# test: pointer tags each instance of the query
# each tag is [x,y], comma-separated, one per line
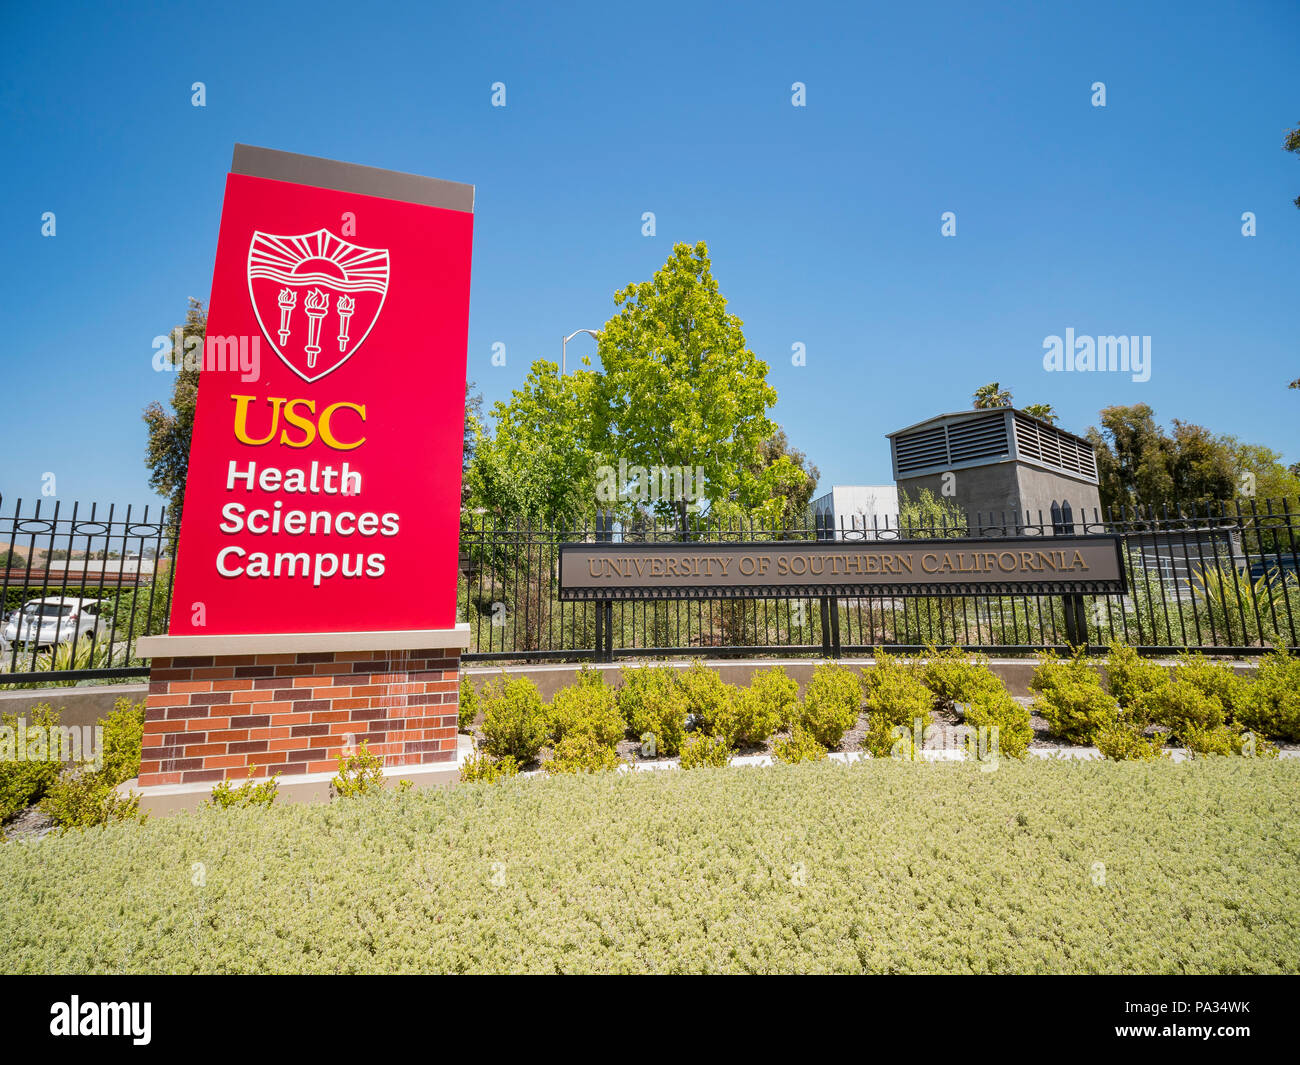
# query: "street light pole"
[564,348]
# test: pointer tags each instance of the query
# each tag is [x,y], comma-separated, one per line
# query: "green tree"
[167,451]
[538,465]
[1132,457]
[928,515]
[1042,411]
[1292,144]
[681,389]
[1270,478]
[991,395]
[790,478]
[1139,463]
[1201,465]
[473,429]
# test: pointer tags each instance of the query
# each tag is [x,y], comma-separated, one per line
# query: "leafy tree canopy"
[991,395]
[1140,463]
[538,465]
[678,389]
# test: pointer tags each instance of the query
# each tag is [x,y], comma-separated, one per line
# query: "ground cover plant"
[882,866]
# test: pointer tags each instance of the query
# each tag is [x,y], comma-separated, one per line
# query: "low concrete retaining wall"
[76,706]
[1015,673]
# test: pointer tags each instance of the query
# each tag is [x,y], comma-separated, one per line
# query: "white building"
[857,512]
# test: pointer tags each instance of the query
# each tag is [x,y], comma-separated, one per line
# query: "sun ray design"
[318,258]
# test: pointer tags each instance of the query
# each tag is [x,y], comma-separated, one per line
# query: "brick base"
[210,718]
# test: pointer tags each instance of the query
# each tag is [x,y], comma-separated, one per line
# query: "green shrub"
[885,739]
[587,707]
[700,751]
[895,692]
[1181,707]
[955,677]
[651,701]
[1124,740]
[86,796]
[995,708]
[69,655]
[483,768]
[1252,745]
[1271,705]
[1215,679]
[831,704]
[226,796]
[123,740]
[143,610]
[799,746]
[1205,740]
[705,694]
[514,719]
[468,709]
[83,798]
[779,691]
[1071,698]
[581,752]
[1131,677]
[1225,739]
[589,675]
[745,719]
[23,782]
[360,773]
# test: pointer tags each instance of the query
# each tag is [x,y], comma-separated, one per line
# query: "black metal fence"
[1206,576]
[78,584]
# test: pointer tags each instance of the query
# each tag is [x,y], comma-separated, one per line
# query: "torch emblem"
[316,297]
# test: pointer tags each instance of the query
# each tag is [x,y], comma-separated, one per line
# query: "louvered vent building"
[1004,462]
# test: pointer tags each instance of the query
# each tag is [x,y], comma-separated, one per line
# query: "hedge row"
[1130,710]
[694,713]
[1140,706]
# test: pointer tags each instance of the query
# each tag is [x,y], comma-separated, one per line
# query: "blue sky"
[823,221]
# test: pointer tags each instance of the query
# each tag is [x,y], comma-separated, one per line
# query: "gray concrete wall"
[982,489]
[1010,488]
[1015,673]
[76,706]
[1039,488]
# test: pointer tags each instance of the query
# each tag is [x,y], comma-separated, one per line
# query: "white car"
[54,620]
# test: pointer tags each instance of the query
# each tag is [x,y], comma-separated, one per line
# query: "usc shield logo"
[316,297]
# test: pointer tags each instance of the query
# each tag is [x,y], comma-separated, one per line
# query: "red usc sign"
[323,492]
